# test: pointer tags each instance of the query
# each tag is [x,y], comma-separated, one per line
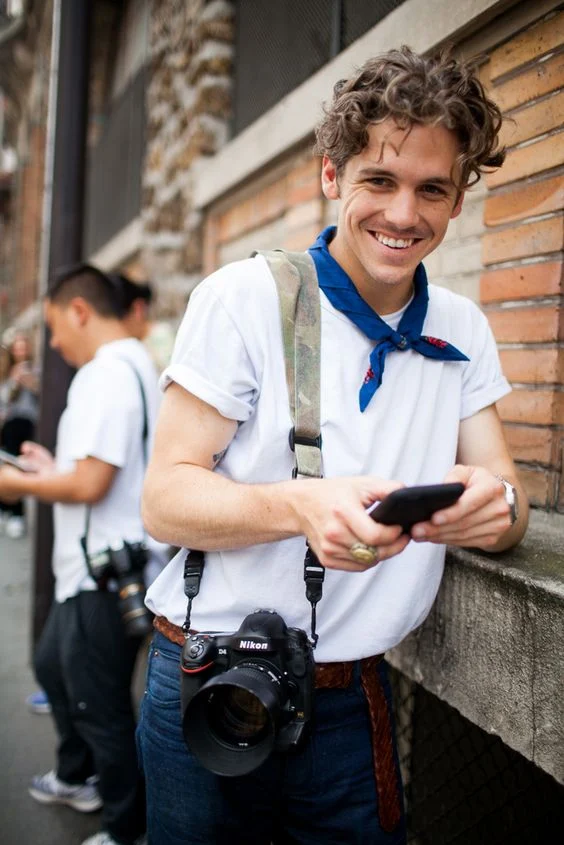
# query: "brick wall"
[283,209]
[521,288]
[505,249]
[27,240]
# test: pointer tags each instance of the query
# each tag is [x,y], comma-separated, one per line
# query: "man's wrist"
[511,498]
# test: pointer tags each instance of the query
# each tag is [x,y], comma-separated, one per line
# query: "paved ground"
[27,741]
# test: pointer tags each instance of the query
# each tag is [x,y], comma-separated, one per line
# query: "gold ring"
[364,553]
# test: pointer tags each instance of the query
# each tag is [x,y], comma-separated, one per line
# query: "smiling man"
[409,380]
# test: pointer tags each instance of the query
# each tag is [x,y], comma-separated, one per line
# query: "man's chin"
[70,360]
[393,275]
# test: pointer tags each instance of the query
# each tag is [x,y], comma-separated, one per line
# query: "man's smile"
[393,242]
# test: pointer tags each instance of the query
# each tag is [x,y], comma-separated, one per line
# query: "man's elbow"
[149,515]
[91,491]
[92,495]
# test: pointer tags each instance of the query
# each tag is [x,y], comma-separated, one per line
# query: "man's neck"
[105,331]
[383,297]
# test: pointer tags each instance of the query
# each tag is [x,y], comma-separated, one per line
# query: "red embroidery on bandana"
[369,375]
[435,341]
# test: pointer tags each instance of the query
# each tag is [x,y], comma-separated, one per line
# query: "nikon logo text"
[253,645]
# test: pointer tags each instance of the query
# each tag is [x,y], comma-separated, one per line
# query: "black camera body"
[125,563]
[246,694]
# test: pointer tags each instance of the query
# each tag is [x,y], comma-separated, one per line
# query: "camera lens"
[137,619]
[231,722]
[237,717]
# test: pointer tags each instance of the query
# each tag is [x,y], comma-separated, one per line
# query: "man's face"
[67,337]
[397,197]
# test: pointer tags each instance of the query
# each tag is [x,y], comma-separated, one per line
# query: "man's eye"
[379,181]
[434,190]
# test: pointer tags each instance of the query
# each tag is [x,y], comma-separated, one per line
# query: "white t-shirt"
[103,419]
[228,352]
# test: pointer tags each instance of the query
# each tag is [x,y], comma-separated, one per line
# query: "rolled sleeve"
[210,358]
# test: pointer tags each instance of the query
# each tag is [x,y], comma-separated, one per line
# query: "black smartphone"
[409,505]
[18,463]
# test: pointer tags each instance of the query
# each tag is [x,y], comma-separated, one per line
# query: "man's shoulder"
[111,370]
[249,275]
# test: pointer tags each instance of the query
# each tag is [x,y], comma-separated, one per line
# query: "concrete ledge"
[492,647]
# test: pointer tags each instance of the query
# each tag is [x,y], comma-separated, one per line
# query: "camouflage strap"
[298,294]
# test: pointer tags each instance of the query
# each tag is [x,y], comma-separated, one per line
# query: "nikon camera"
[125,563]
[246,694]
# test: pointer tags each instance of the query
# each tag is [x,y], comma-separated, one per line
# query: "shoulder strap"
[298,295]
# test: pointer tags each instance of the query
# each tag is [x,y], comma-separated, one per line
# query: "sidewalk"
[27,741]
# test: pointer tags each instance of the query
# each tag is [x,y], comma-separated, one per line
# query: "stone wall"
[188,106]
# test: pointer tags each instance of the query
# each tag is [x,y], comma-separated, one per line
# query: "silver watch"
[510,498]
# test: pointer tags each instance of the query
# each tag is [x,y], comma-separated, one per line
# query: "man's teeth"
[399,243]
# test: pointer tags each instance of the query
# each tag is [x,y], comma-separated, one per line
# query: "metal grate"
[359,17]
[280,45]
[115,166]
[464,786]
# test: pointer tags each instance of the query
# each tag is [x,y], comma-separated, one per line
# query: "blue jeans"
[323,794]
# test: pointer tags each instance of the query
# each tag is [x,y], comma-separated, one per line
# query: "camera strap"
[298,295]
[144,435]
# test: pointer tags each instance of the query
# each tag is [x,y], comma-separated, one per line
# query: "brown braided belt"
[340,676]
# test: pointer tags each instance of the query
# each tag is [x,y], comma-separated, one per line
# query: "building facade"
[199,150]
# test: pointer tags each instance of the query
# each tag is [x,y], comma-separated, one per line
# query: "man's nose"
[401,211]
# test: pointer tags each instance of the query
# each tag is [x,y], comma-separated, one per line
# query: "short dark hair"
[103,291]
[132,291]
[412,89]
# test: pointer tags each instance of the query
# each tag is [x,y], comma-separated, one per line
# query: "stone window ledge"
[492,646]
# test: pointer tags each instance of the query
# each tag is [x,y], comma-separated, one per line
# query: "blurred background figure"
[157,335]
[19,403]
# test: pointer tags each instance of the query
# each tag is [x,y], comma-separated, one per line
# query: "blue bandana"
[342,294]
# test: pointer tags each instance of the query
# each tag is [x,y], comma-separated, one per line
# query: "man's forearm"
[58,487]
[194,507]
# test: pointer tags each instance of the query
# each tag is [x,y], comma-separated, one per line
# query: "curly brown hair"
[412,89]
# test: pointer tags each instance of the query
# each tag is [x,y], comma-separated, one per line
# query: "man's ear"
[458,204]
[80,311]
[329,182]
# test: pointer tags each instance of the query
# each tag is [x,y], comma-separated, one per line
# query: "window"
[279,45]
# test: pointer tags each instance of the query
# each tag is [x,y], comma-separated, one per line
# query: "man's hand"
[10,484]
[38,458]
[332,516]
[478,519]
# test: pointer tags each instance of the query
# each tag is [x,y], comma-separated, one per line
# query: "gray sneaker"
[48,789]
[101,838]
[105,838]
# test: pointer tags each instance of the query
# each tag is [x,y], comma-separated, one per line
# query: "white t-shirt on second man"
[103,419]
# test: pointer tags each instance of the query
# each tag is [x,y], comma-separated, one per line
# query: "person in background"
[87,651]
[18,417]
[157,335]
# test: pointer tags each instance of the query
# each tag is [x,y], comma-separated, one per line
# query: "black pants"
[84,662]
[14,432]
